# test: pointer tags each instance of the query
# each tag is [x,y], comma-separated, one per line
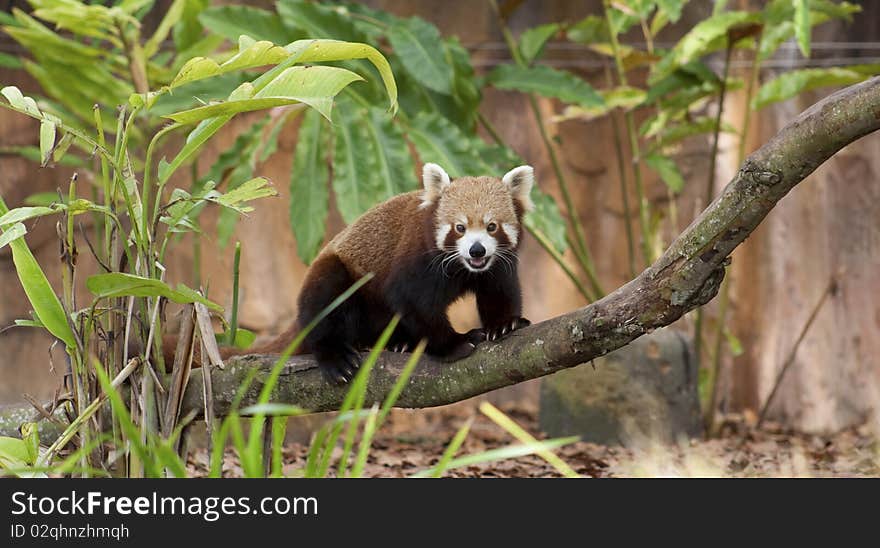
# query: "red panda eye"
[459,229]
[491,227]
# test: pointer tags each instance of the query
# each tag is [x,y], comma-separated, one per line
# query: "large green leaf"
[47,307]
[532,41]
[789,84]
[420,48]
[309,197]
[315,86]
[233,21]
[545,81]
[370,160]
[120,284]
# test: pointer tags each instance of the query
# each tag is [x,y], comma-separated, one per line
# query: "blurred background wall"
[829,224]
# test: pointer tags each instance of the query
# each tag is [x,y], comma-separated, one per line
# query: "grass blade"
[517,432]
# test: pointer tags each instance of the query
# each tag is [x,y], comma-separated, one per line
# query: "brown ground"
[411,441]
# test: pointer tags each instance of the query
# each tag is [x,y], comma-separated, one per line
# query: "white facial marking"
[440,235]
[470,237]
[512,233]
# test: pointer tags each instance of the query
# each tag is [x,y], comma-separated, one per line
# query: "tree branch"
[685,277]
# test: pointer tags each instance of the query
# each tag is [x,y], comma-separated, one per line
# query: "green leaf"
[672,8]
[370,161]
[309,199]
[243,338]
[707,36]
[772,37]
[315,86]
[172,15]
[47,141]
[10,61]
[17,100]
[532,41]
[253,189]
[24,213]
[440,141]
[119,284]
[802,28]
[545,81]
[47,307]
[668,171]
[419,47]
[13,453]
[547,218]
[196,138]
[12,233]
[233,21]
[789,84]
[591,29]
[319,21]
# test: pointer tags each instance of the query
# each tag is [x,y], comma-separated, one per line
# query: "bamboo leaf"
[120,284]
[24,213]
[47,141]
[545,81]
[309,200]
[12,233]
[47,307]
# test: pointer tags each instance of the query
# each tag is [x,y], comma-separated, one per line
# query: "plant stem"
[542,239]
[644,210]
[490,129]
[726,283]
[624,193]
[233,322]
[829,289]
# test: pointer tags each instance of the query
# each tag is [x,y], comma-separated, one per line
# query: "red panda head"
[478,219]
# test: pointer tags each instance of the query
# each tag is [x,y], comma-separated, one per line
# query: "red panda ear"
[436,180]
[520,181]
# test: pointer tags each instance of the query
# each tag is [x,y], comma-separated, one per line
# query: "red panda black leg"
[499,302]
[335,339]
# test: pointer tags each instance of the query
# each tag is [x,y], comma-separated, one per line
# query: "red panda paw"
[506,327]
[465,345]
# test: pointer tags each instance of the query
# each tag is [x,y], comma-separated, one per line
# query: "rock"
[646,389]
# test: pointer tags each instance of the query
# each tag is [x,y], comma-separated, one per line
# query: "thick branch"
[685,277]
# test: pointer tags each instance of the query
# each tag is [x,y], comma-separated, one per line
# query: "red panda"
[425,249]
